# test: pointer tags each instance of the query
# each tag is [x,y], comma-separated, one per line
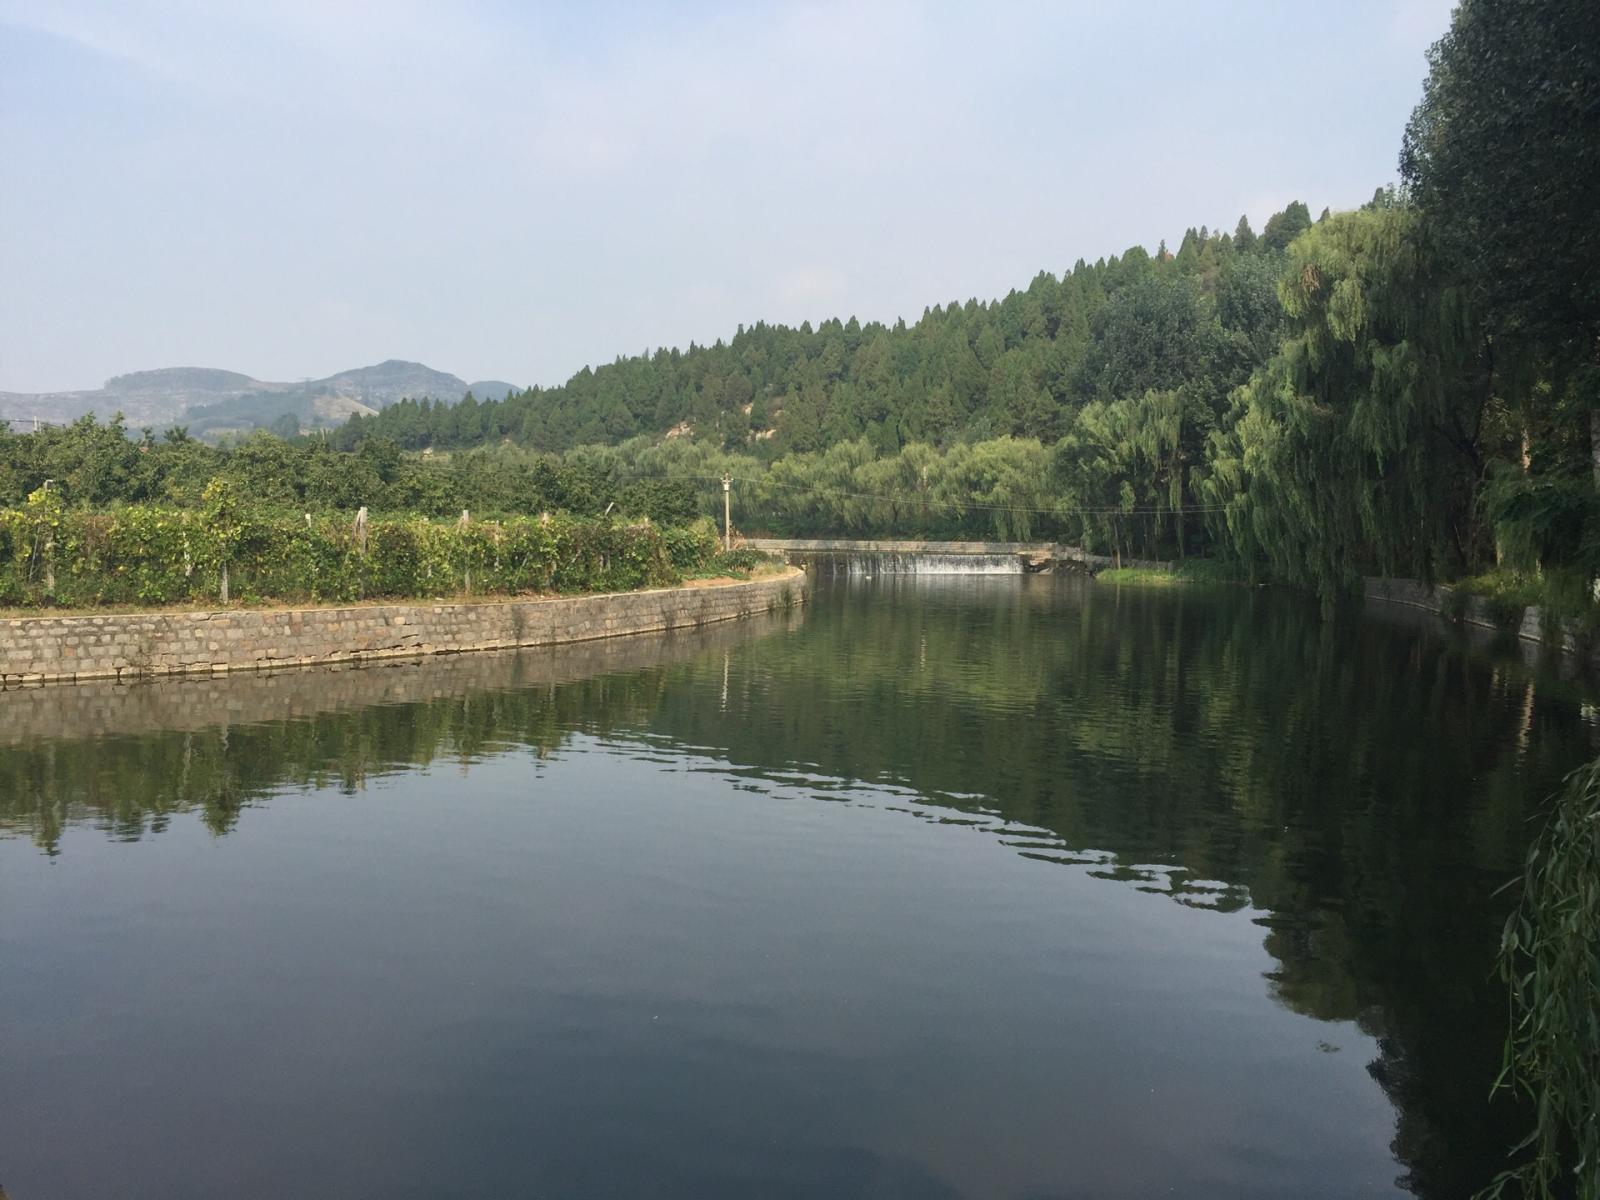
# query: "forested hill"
[1200,319]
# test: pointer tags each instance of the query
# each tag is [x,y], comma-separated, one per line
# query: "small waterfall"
[911,563]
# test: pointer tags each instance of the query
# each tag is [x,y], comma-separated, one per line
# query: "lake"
[1019,887]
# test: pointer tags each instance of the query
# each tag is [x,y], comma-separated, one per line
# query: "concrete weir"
[835,556]
[843,556]
[38,650]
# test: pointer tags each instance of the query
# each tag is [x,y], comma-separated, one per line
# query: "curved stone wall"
[38,650]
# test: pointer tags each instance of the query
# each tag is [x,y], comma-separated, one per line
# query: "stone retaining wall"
[37,650]
[1475,610]
[111,707]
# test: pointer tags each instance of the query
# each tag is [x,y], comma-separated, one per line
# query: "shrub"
[691,546]
[741,561]
[144,555]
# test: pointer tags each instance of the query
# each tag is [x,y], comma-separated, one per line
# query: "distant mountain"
[492,389]
[213,402]
[198,379]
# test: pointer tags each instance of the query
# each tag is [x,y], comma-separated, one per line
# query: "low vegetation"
[1188,571]
[740,563]
[1156,577]
[227,549]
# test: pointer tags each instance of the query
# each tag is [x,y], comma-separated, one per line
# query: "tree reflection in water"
[1361,787]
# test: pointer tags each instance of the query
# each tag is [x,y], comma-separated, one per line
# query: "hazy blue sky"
[289,189]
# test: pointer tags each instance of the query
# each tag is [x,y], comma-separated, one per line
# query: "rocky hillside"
[214,402]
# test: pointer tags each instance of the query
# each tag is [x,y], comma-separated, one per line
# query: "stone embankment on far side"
[1531,625]
[37,650]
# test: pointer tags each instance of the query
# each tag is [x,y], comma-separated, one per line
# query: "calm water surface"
[998,887]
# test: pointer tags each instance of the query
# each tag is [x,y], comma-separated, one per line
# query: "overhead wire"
[933,501]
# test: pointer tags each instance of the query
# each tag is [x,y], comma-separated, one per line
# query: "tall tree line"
[1201,318]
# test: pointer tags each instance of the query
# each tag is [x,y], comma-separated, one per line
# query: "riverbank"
[111,708]
[1528,623]
[55,649]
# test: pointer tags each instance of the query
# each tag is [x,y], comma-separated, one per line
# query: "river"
[1019,887]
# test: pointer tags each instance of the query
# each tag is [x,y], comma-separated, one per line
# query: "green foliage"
[1550,961]
[670,501]
[96,466]
[740,561]
[139,555]
[1189,571]
[1345,454]
[1079,408]
[963,372]
[1503,161]
[1282,228]
[1565,599]
[1540,517]
[1000,488]
[1211,570]
[1502,597]
[1501,152]
[690,547]
[1507,588]
[1139,577]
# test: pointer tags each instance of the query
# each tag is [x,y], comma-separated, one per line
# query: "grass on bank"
[740,564]
[1189,571]
[1564,598]
[1153,577]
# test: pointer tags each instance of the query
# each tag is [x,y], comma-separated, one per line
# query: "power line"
[933,501]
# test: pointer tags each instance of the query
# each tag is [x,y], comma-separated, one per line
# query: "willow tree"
[1550,961]
[1093,472]
[1354,451]
[1122,468]
[1502,157]
[1002,482]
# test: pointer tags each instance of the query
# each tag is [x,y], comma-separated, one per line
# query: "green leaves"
[1550,961]
[1502,155]
[142,555]
[1344,454]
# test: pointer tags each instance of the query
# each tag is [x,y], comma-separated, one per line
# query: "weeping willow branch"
[1550,960]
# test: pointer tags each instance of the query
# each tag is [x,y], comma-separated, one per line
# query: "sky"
[511,191]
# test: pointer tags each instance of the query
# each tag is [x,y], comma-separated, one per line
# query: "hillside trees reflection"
[1361,788]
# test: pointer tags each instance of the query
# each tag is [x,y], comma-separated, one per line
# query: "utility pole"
[49,560]
[727,512]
